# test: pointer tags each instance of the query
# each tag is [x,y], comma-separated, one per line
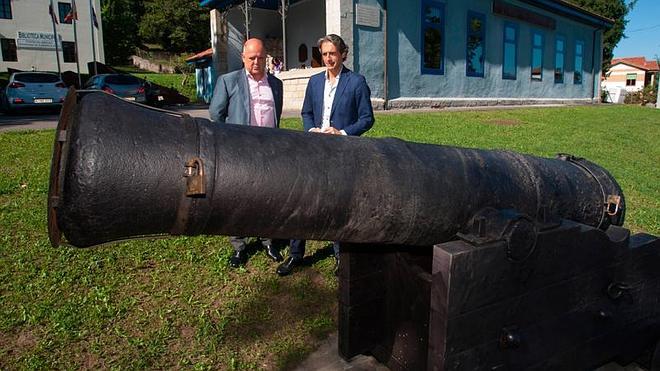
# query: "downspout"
[385,89]
[593,67]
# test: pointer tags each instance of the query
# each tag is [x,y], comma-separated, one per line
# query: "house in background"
[427,53]
[27,39]
[630,74]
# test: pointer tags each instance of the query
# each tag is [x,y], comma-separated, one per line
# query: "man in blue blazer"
[249,96]
[337,101]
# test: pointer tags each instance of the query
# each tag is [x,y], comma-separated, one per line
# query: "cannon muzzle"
[122,170]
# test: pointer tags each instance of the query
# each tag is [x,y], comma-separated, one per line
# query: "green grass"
[175,303]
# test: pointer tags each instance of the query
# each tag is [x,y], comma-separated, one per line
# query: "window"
[69,51]
[5,9]
[631,79]
[302,53]
[8,50]
[579,49]
[476,37]
[63,10]
[537,56]
[433,37]
[560,45]
[510,59]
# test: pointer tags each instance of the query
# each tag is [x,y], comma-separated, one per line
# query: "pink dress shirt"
[262,102]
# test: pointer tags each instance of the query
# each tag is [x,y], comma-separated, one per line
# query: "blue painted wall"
[404,55]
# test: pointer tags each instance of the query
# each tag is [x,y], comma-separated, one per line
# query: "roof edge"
[573,11]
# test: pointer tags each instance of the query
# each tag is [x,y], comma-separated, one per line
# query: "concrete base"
[404,103]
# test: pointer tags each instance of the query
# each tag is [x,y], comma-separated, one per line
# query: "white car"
[33,89]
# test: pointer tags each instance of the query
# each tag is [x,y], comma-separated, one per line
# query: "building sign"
[366,15]
[37,40]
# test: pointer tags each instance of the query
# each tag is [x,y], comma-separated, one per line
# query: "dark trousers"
[239,243]
[297,249]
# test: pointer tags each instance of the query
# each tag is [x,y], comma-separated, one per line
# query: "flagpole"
[91,25]
[57,49]
[75,40]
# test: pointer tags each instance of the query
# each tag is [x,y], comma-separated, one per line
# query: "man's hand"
[331,130]
[314,130]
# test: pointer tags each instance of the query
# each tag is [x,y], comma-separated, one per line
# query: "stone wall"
[295,83]
[149,66]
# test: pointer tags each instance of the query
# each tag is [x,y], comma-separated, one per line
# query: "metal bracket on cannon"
[195,177]
[518,231]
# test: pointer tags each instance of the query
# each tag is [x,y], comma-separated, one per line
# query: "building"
[428,53]
[27,38]
[630,74]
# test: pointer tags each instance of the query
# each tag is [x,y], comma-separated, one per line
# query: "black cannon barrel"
[122,170]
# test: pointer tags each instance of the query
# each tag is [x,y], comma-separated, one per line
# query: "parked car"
[128,87]
[33,89]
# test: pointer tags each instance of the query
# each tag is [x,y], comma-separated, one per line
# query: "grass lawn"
[175,303]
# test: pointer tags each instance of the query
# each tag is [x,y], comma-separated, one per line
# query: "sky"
[642,31]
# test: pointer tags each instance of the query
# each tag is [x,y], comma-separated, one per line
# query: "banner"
[37,40]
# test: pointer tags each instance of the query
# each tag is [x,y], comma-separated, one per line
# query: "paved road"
[37,120]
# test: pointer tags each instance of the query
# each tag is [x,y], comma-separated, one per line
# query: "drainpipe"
[385,88]
[596,79]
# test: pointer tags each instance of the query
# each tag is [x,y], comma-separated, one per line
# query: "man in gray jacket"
[249,96]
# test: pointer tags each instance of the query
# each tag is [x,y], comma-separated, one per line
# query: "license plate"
[160,97]
[130,98]
[43,100]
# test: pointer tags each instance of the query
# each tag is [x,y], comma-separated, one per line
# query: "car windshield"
[122,80]
[36,77]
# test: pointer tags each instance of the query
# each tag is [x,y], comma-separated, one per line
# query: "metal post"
[283,14]
[75,41]
[247,19]
[57,49]
[91,25]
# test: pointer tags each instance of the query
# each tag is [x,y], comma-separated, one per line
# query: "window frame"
[575,59]
[634,80]
[64,55]
[542,49]
[62,11]
[471,15]
[6,12]
[516,35]
[563,58]
[14,51]
[441,28]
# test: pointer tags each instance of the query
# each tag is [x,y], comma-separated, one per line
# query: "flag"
[96,23]
[73,14]
[52,13]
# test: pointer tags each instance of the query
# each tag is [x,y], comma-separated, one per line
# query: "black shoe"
[288,265]
[273,253]
[238,259]
[336,269]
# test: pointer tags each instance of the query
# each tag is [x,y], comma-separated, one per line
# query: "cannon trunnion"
[452,258]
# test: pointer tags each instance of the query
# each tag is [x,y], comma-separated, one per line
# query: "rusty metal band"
[186,203]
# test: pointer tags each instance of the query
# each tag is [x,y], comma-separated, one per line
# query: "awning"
[223,5]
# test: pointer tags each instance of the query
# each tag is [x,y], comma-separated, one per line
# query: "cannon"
[474,259]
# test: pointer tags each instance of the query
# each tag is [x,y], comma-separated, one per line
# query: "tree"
[120,29]
[176,25]
[615,10]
